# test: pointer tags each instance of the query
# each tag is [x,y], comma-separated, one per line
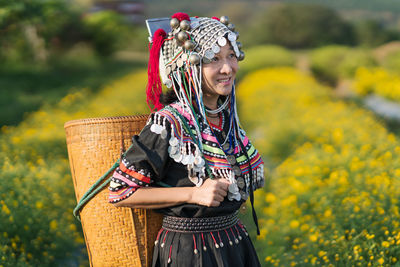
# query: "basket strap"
[95,189]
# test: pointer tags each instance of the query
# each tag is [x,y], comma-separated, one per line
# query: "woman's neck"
[210,101]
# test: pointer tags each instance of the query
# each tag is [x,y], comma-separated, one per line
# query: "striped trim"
[134,174]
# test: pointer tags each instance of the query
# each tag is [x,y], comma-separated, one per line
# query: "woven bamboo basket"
[114,236]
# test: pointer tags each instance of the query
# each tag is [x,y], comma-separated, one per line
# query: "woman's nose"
[226,67]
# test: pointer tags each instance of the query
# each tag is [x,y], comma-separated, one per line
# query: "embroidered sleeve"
[143,164]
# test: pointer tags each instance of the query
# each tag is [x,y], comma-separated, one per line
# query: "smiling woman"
[195,145]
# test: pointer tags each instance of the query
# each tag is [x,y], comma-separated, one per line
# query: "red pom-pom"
[181,16]
[154,88]
[215,18]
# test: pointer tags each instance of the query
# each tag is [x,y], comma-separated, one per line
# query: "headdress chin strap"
[154,88]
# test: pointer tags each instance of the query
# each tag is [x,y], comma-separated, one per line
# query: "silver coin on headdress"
[179,62]
[231,36]
[215,48]
[221,41]
[209,54]
[184,56]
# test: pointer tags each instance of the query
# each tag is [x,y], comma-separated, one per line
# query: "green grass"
[25,88]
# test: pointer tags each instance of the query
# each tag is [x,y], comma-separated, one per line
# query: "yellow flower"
[53,225]
[294,224]
[385,244]
[381,261]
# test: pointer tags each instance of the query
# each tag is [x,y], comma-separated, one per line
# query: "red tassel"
[154,87]
[181,16]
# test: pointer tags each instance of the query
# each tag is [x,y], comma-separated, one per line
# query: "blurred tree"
[27,24]
[301,26]
[371,33]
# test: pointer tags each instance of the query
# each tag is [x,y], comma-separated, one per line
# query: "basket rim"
[99,120]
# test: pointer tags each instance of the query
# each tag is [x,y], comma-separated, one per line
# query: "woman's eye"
[214,59]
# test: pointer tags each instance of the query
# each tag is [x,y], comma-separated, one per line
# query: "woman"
[194,148]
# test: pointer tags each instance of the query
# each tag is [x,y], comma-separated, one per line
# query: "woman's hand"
[211,193]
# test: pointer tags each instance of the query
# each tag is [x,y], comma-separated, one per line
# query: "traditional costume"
[180,147]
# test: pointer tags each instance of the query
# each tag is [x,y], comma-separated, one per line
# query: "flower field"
[378,81]
[331,195]
[332,199]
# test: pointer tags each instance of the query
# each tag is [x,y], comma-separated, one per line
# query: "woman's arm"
[211,193]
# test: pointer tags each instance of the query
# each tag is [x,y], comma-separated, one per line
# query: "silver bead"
[174,23]
[236,241]
[204,248]
[184,25]
[239,45]
[216,245]
[230,242]
[224,20]
[189,45]
[182,36]
[221,244]
[169,260]
[241,56]
[231,26]
[156,242]
[194,59]
[162,245]
[195,251]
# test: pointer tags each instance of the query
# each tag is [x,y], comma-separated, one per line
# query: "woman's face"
[219,75]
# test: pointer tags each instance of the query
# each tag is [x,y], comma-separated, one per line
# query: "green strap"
[95,189]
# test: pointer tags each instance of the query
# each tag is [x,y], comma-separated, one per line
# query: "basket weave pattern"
[114,236]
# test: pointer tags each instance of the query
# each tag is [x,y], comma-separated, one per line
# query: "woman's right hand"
[211,193]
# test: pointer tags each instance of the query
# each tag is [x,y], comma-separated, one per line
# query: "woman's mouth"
[224,81]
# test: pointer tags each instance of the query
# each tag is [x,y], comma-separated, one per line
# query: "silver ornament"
[231,36]
[206,60]
[189,45]
[179,62]
[185,56]
[174,23]
[237,35]
[231,159]
[194,59]
[241,56]
[239,45]
[240,182]
[168,83]
[231,26]
[168,70]
[224,20]
[182,36]
[215,48]
[184,25]
[221,41]
[209,54]
[237,170]
[173,141]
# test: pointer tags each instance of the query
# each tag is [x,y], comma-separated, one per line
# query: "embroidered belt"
[197,225]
